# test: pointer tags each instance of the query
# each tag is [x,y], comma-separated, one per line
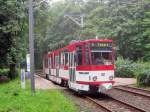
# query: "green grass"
[14,99]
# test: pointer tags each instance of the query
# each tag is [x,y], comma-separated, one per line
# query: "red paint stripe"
[65,67]
[95,83]
[94,68]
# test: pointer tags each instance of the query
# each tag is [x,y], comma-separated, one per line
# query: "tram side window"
[53,58]
[87,58]
[79,55]
[52,64]
[56,60]
[87,61]
[59,62]
[66,59]
[50,60]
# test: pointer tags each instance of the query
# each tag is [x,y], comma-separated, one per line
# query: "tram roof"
[70,47]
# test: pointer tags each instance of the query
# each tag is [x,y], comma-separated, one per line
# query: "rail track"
[110,104]
[114,105]
[134,90]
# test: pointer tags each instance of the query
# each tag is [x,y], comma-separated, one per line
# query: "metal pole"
[31,46]
[82,22]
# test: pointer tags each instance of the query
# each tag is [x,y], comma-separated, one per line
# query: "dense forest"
[126,22]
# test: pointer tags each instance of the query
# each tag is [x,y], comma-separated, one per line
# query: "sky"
[52,1]
[57,0]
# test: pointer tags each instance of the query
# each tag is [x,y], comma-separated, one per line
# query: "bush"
[143,78]
[141,66]
[124,68]
[128,69]
[4,72]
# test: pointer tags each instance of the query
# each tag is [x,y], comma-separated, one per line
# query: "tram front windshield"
[101,53]
[101,58]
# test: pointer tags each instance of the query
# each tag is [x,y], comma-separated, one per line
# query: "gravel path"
[124,81]
[41,83]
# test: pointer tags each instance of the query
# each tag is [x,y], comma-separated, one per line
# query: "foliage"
[142,72]
[126,22]
[129,69]
[13,98]
[143,78]
[11,30]
[140,66]
[122,22]
[13,33]
[4,72]
[124,68]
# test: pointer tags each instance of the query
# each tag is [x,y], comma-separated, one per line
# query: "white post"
[23,81]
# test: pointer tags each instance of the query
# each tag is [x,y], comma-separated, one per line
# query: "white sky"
[57,0]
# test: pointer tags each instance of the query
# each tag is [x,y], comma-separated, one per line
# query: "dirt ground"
[41,83]
[124,81]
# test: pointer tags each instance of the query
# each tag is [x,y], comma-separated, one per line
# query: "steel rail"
[138,89]
[124,103]
[129,105]
[133,92]
[103,107]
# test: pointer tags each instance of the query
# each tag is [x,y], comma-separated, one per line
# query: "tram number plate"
[102,74]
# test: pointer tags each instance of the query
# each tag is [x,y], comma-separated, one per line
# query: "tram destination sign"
[101,45]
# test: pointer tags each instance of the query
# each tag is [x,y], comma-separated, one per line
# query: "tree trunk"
[12,72]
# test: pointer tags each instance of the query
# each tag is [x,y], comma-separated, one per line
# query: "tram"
[83,66]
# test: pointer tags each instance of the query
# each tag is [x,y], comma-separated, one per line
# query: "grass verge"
[14,99]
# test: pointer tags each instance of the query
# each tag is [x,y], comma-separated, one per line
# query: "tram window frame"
[62,58]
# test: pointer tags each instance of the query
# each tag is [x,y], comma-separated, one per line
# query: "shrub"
[124,68]
[141,66]
[4,72]
[143,78]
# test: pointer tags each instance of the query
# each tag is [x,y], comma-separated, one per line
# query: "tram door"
[72,67]
[57,66]
[49,66]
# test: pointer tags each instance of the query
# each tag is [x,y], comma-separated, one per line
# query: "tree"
[12,38]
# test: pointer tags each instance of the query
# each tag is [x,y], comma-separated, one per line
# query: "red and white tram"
[84,66]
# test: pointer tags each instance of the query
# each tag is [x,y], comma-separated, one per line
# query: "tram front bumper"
[105,87]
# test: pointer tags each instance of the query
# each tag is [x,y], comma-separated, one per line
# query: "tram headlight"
[94,78]
[111,77]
